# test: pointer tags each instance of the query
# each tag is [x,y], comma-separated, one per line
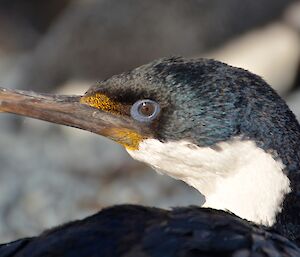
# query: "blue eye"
[145,110]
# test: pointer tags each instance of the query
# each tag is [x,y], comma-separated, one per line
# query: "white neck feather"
[236,175]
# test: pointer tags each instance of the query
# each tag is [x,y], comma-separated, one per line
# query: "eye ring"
[145,110]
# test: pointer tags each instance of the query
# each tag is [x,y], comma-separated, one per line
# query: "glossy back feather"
[136,231]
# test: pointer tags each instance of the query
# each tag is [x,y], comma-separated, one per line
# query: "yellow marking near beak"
[126,137]
[102,102]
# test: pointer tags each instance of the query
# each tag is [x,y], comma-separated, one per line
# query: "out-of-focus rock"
[96,39]
[272,52]
[23,22]
[294,103]
[48,178]
[74,87]
[292,15]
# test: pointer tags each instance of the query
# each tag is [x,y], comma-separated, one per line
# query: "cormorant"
[221,129]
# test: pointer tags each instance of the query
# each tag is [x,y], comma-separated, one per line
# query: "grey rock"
[96,39]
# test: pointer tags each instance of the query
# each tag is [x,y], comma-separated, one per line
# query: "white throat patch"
[236,175]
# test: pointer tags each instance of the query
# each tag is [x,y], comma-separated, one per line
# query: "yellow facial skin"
[102,102]
[126,137]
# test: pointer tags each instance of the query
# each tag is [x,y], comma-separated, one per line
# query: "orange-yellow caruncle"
[126,137]
[102,102]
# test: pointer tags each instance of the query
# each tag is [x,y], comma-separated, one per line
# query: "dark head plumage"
[208,101]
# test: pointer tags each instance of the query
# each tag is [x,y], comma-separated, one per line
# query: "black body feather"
[136,231]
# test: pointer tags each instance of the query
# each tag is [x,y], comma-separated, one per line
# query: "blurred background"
[52,174]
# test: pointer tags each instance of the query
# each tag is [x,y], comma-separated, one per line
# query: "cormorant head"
[221,129]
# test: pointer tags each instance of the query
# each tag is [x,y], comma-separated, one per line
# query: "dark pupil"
[146,109]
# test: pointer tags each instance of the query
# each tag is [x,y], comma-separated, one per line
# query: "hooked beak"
[67,110]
